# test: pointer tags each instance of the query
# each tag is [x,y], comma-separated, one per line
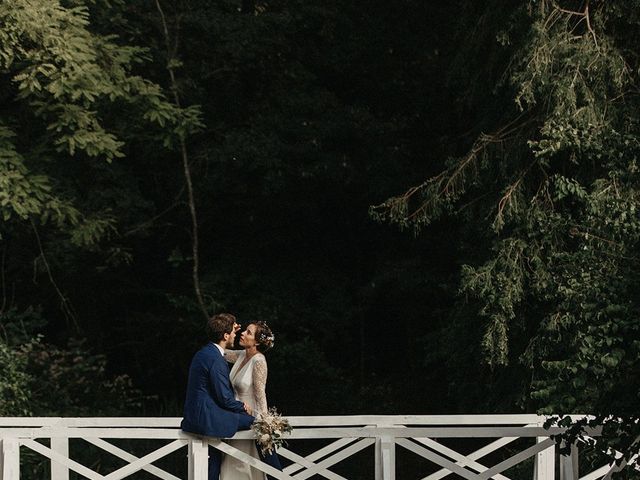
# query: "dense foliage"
[64,88]
[555,194]
[279,124]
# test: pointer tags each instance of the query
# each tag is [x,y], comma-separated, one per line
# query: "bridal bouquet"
[269,428]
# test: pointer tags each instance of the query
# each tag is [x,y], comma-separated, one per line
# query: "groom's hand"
[247,409]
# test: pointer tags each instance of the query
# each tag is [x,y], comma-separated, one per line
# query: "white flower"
[269,428]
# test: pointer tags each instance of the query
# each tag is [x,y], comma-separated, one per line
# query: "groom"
[211,408]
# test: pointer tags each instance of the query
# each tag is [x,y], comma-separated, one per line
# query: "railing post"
[9,459]
[569,464]
[385,458]
[61,446]
[198,459]
[189,460]
[544,466]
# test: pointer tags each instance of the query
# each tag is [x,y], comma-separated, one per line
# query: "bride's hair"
[264,336]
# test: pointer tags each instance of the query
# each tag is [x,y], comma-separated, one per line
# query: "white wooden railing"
[511,439]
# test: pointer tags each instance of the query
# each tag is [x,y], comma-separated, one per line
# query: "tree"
[66,86]
[64,198]
[553,194]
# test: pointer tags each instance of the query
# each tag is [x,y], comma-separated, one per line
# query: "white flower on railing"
[270,428]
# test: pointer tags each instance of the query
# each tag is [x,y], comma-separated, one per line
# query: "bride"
[249,379]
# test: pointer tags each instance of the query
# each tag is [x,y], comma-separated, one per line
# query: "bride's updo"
[264,336]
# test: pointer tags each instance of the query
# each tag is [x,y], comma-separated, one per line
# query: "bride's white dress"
[249,380]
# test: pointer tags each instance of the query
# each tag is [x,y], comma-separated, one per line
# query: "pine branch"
[448,185]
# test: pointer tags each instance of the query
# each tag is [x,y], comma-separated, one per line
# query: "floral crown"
[265,337]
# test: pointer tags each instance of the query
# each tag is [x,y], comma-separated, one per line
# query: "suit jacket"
[210,408]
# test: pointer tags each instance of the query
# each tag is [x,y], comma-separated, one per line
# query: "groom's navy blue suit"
[211,408]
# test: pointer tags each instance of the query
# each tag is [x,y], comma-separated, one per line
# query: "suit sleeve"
[222,391]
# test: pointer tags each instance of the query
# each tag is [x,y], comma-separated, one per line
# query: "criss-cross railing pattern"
[342,437]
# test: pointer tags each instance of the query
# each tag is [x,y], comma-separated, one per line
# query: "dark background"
[312,111]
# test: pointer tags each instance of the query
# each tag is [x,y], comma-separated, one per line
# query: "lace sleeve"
[260,384]
[232,356]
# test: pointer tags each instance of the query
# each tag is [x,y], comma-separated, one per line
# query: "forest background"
[433,204]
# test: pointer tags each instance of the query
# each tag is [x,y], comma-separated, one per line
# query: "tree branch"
[448,179]
[152,220]
[585,16]
[185,165]
[65,305]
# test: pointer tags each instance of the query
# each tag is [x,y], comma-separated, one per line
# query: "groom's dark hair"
[218,325]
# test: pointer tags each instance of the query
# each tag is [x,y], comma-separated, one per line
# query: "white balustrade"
[343,437]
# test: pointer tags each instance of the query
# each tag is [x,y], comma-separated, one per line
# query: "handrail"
[347,434]
[475,419]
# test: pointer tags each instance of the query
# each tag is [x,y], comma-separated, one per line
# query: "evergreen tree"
[553,193]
